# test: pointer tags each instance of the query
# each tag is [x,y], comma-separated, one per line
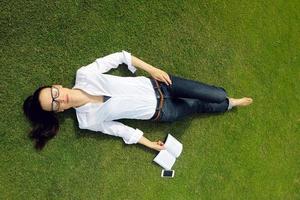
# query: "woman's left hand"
[161,75]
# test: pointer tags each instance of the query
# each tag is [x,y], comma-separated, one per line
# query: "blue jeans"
[185,97]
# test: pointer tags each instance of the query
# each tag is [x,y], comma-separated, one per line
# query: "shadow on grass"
[151,129]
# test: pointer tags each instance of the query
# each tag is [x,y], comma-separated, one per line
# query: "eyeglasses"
[55,94]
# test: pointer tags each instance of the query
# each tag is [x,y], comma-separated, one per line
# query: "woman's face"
[56,98]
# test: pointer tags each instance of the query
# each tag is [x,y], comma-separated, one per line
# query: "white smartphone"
[167,173]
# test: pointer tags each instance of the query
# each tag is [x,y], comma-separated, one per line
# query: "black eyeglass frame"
[53,99]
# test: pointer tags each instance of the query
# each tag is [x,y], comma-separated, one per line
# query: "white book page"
[173,146]
[165,159]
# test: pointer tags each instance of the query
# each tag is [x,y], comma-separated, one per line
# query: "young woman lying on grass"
[100,99]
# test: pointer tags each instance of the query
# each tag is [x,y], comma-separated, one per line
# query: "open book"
[167,157]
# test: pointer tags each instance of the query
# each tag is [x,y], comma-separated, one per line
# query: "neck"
[78,98]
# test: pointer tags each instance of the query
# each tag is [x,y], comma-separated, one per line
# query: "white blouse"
[131,98]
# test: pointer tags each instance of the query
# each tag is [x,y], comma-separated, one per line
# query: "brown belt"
[160,99]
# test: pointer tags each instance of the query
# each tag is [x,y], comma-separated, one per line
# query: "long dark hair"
[45,124]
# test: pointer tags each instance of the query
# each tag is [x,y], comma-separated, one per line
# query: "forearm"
[146,142]
[153,145]
[156,73]
[141,64]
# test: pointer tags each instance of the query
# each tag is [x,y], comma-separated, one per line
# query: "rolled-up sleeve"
[129,135]
[106,63]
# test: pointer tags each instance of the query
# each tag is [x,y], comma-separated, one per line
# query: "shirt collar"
[88,106]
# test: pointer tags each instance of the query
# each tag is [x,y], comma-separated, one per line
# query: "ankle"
[230,104]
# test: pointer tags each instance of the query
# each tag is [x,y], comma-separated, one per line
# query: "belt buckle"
[157,95]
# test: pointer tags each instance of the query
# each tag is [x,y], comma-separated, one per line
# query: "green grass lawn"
[251,48]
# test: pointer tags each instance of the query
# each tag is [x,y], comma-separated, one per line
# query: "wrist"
[151,69]
[152,145]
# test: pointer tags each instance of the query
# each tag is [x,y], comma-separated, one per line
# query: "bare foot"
[245,101]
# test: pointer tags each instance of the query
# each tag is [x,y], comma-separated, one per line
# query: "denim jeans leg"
[175,109]
[184,88]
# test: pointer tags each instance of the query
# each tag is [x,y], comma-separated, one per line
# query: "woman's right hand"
[158,145]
